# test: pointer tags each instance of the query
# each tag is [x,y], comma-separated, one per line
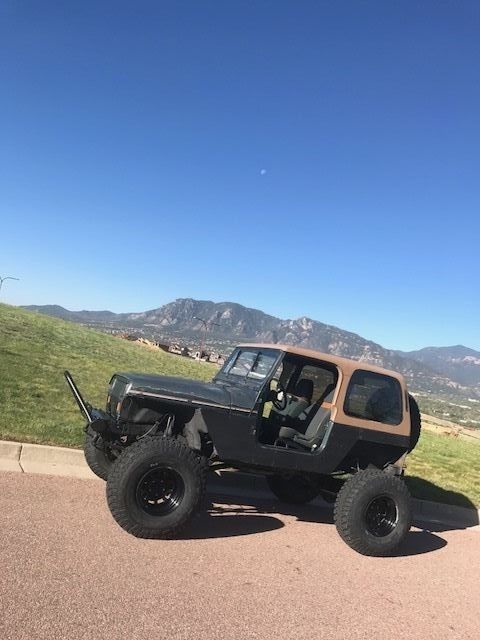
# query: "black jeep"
[313,424]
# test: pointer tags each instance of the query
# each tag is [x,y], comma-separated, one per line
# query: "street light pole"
[206,324]
[2,280]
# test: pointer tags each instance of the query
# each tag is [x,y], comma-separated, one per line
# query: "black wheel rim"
[381,516]
[160,491]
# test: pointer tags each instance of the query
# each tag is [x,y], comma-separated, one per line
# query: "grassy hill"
[36,405]
[35,402]
[445,469]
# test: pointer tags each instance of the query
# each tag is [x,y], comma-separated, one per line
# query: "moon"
[263,172]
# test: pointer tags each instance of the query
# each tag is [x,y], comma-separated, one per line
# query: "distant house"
[162,346]
[197,355]
[128,336]
[175,348]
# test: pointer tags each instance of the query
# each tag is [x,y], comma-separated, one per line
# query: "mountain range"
[441,370]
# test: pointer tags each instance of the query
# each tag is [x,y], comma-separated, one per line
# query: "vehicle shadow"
[221,521]
[426,490]
[230,516]
[248,505]
[418,542]
[457,510]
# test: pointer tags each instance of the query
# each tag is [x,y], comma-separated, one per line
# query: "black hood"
[181,388]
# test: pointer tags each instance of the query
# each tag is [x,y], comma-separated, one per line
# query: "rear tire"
[415,423]
[156,486]
[373,512]
[293,488]
[98,456]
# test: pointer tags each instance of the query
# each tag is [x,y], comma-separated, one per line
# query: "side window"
[373,396]
[324,381]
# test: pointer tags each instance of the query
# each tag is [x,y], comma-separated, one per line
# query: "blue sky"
[305,158]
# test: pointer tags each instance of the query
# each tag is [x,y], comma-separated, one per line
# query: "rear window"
[373,396]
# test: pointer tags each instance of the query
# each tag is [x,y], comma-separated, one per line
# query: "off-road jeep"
[313,424]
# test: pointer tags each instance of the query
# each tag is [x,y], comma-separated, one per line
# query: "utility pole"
[206,325]
[2,280]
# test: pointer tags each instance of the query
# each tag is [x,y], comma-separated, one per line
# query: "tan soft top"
[345,364]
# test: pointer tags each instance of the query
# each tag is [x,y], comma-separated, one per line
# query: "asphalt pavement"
[240,571]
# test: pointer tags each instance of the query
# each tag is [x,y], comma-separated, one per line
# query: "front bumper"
[100,423]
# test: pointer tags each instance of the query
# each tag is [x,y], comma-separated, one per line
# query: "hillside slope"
[35,403]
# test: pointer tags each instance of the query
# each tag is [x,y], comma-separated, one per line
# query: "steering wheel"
[280,400]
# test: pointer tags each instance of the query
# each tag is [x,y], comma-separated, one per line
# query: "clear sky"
[306,158]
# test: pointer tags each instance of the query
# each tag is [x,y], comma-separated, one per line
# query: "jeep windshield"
[249,364]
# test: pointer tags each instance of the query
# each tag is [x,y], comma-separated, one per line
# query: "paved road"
[244,571]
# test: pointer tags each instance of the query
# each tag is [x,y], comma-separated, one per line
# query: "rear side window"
[373,396]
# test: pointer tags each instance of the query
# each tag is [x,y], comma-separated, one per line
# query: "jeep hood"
[174,388]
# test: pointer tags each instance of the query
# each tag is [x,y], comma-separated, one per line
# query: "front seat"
[312,437]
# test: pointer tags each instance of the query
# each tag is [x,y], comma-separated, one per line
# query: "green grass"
[36,405]
[35,402]
[445,469]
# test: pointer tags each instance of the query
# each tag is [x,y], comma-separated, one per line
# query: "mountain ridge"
[431,368]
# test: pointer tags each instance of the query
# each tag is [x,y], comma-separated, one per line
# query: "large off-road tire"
[415,423]
[373,512]
[293,488]
[156,486]
[98,456]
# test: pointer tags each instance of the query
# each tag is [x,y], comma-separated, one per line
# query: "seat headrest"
[304,389]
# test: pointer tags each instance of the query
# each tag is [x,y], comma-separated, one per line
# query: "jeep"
[313,424]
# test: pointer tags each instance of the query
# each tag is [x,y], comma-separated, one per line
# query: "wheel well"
[155,417]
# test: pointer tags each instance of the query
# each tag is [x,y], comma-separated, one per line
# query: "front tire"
[373,512]
[155,487]
[293,488]
[98,456]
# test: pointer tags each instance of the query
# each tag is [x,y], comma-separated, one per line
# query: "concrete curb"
[10,456]
[57,461]
[37,458]
[61,461]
